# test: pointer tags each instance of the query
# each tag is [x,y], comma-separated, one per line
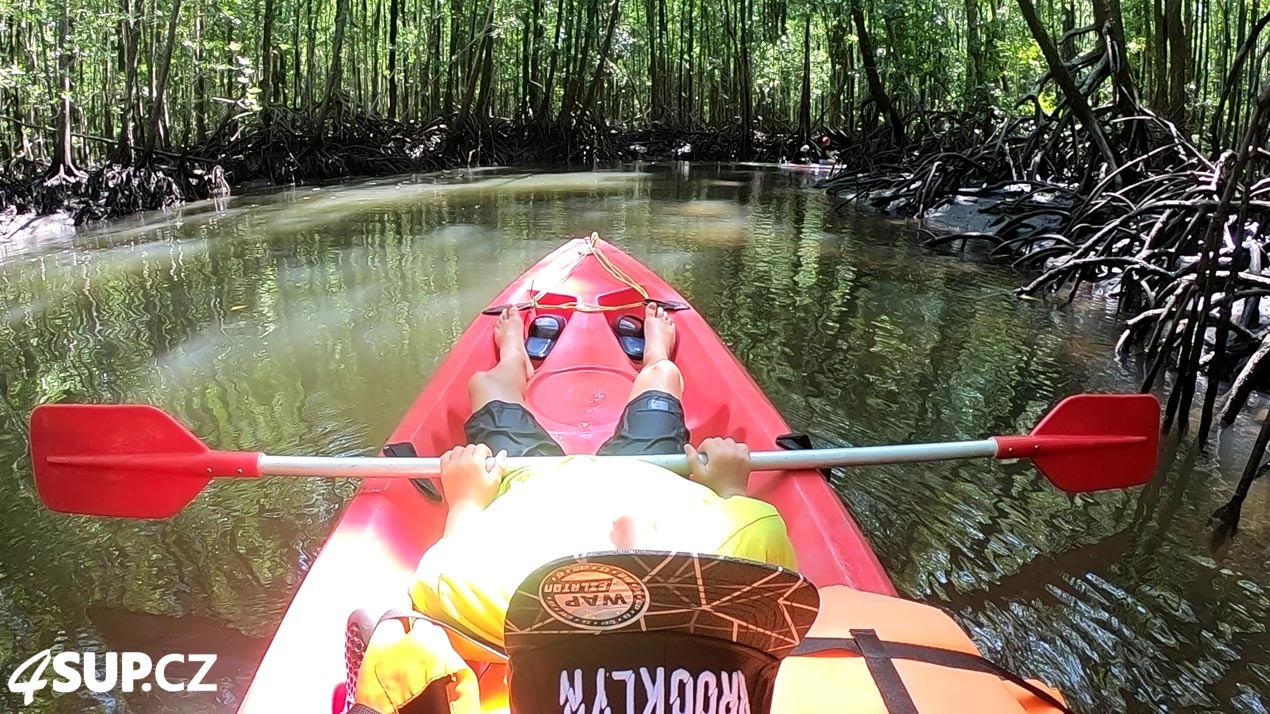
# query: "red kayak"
[577,393]
[836,637]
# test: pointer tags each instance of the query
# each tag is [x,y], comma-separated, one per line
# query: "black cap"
[636,629]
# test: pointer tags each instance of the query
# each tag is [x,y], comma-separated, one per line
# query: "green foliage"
[677,61]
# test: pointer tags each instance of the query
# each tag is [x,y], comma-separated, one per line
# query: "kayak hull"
[577,393]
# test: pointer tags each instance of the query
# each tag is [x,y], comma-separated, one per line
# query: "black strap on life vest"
[890,685]
[878,653]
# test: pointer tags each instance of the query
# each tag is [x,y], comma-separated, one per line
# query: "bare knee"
[664,371]
[663,376]
[479,381]
[495,386]
[481,388]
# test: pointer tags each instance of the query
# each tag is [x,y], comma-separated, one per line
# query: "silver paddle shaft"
[380,467]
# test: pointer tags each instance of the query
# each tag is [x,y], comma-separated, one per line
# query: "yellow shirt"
[569,509]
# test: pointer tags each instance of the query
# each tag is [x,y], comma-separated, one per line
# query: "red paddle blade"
[123,460]
[1093,442]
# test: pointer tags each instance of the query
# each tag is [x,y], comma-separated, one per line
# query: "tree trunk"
[655,109]
[1068,45]
[573,89]
[487,66]
[686,114]
[747,88]
[476,72]
[200,80]
[376,77]
[310,54]
[804,100]
[130,29]
[544,112]
[1234,77]
[663,54]
[354,62]
[62,168]
[534,93]
[976,97]
[295,57]
[1109,16]
[837,46]
[434,62]
[1079,105]
[394,9]
[452,66]
[604,58]
[876,91]
[266,53]
[1179,56]
[1160,94]
[161,82]
[334,75]
[526,41]
[102,110]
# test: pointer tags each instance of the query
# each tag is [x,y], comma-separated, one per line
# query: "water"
[305,322]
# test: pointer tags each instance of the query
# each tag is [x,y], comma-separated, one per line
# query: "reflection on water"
[306,322]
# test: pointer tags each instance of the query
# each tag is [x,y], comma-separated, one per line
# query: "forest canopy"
[126,77]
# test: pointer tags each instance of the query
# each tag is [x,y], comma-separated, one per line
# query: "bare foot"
[509,335]
[659,334]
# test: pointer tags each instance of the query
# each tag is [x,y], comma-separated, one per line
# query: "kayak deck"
[577,393]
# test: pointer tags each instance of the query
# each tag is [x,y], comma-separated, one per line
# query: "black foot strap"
[630,336]
[544,331]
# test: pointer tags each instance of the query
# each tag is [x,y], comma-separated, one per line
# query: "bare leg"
[659,373]
[507,380]
[633,531]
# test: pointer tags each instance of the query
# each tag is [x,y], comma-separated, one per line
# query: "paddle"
[136,461]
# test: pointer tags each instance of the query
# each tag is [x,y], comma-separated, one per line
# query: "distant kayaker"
[503,523]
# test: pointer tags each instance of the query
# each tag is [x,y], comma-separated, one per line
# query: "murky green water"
[306,322]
